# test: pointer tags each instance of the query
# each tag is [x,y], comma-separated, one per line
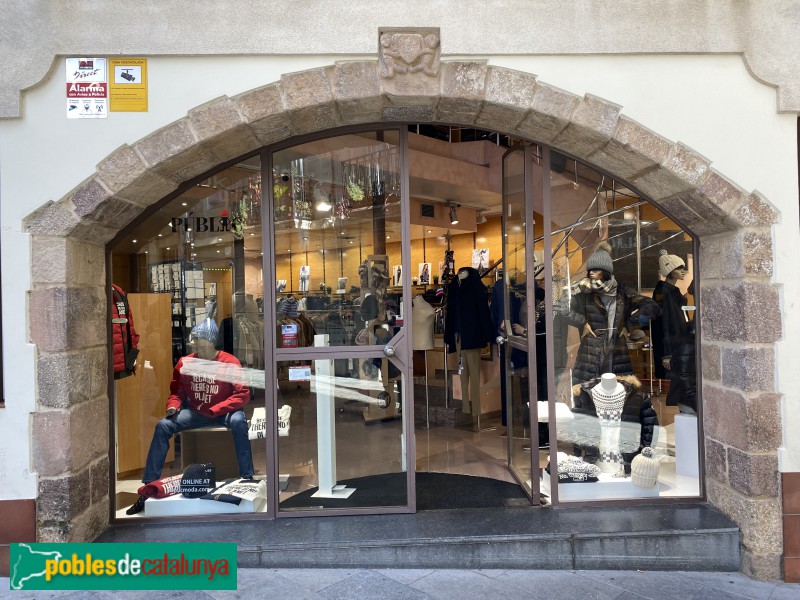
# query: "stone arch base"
[739,322]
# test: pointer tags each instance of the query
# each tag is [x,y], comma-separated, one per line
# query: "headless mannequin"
[422,316]
[470,370]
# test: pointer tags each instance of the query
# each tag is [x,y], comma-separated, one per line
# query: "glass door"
[521,365]
[341,347]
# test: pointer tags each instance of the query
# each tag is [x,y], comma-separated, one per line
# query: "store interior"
[336,248]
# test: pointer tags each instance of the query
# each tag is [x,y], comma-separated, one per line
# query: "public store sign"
[87,88]
[128,87]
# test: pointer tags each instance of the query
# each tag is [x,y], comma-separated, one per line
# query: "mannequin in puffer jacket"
[602,310]
[636,408]
[126,340]
[677,336]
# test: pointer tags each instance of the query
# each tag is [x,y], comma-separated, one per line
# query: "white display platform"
[176,506]
[607,487]
[687,461]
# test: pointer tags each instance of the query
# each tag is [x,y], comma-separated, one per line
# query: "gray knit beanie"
[601,259]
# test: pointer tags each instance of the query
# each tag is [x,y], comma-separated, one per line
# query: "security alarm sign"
[87,88]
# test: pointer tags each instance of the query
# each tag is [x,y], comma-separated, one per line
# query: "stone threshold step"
[655,537]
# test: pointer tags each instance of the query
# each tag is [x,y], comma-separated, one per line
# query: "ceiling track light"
[453,214]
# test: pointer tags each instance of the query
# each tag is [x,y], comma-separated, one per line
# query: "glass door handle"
[388,351]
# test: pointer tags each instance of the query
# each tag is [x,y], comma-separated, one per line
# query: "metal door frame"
[401,342]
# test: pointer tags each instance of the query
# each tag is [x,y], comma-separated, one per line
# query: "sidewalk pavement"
[447,584]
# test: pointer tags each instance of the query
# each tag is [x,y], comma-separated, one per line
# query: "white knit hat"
[667,263]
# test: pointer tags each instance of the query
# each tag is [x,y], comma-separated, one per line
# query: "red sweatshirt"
[210,387]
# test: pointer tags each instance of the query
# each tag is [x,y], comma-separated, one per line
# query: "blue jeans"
[189,419]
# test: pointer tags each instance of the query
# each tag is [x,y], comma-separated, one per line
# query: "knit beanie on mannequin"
[667,263]
[205,330]
[601,259]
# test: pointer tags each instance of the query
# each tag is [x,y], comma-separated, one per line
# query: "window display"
[550,345]
[608,244]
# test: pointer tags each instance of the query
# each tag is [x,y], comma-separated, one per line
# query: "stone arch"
[740,324]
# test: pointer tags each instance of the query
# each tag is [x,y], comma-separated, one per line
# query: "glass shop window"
[623,342]
[188,348]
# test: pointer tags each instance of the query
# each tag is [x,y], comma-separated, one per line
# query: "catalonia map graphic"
[29,564]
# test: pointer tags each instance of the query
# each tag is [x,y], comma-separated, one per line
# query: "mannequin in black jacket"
[677,337]
[467,329]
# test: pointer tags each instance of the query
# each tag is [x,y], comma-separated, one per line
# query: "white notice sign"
[87,88]
[300,373]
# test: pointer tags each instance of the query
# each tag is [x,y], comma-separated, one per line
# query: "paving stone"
[370,584]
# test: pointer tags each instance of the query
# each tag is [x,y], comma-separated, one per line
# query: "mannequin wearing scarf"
[602,309]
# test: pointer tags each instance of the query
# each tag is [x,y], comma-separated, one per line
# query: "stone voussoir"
[683,170]
[591,125]
[507,98]
[357,91]
[756,211]
[174,152]
[722,192]
[93,202]
[632,150]
[550,113]
[463,86]
[263,110]
[222,130]
[307,97]
[126,176]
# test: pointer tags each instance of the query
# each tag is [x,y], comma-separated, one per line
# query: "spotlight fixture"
[453,214]
[481,218]
[322,199]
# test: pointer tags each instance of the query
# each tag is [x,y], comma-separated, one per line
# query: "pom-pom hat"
[601,259]
[667,263]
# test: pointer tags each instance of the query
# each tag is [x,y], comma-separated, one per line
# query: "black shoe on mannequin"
[137,507]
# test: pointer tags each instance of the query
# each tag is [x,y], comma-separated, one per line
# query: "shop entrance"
[400,305]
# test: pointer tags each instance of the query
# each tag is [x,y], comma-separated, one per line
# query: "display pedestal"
[177,506]
[607,487]
[326,428]
[686,458]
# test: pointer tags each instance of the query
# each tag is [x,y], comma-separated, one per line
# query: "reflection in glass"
[610,396]
[337,208]
[333,443]
[193,277]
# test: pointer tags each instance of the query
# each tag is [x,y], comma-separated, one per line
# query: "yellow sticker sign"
[127,89]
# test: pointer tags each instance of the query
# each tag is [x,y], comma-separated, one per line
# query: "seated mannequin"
[205,390]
